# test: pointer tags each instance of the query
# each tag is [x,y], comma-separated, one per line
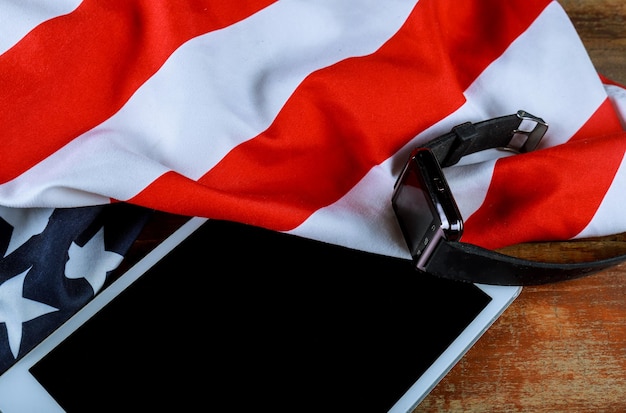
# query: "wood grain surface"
[559,347]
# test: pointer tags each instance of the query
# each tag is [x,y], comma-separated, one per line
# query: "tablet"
[227,317]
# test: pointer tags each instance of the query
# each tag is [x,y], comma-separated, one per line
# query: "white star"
[15,309]
[26,222]
[91,261]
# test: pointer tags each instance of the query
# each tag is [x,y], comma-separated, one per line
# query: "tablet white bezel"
[20,391]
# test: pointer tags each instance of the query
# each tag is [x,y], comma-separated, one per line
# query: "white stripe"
[214,93]
[610,217]
[531,75]
[362,219]
[18,17]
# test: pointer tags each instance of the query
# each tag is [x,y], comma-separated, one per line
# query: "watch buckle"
[526,137]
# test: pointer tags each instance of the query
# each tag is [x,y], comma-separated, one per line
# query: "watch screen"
[415,212]
[424,206]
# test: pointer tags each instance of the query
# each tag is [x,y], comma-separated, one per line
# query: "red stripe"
[603,122]
[347,118]
[605,80]
[73,72]
[551,194]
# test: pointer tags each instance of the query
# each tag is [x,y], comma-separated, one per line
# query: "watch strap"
[471,263]
[520,132]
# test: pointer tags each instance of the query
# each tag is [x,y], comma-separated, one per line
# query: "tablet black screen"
[240,318]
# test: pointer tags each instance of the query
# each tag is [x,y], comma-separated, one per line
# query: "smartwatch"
[432,225]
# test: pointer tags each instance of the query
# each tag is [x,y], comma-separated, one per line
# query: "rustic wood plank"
[559,348]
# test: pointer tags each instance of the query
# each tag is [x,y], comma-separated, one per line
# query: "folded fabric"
[297,115]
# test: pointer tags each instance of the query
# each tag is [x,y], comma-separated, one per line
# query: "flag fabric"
[298,115]
[53,262]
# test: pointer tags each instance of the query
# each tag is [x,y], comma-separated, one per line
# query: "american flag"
[298,115]
[53,262]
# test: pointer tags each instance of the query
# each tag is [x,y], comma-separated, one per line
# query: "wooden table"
[560,347]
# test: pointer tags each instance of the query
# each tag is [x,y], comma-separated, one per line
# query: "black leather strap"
[469,138]
[466,262]
[461,261]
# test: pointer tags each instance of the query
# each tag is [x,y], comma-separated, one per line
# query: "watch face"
[424,206]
